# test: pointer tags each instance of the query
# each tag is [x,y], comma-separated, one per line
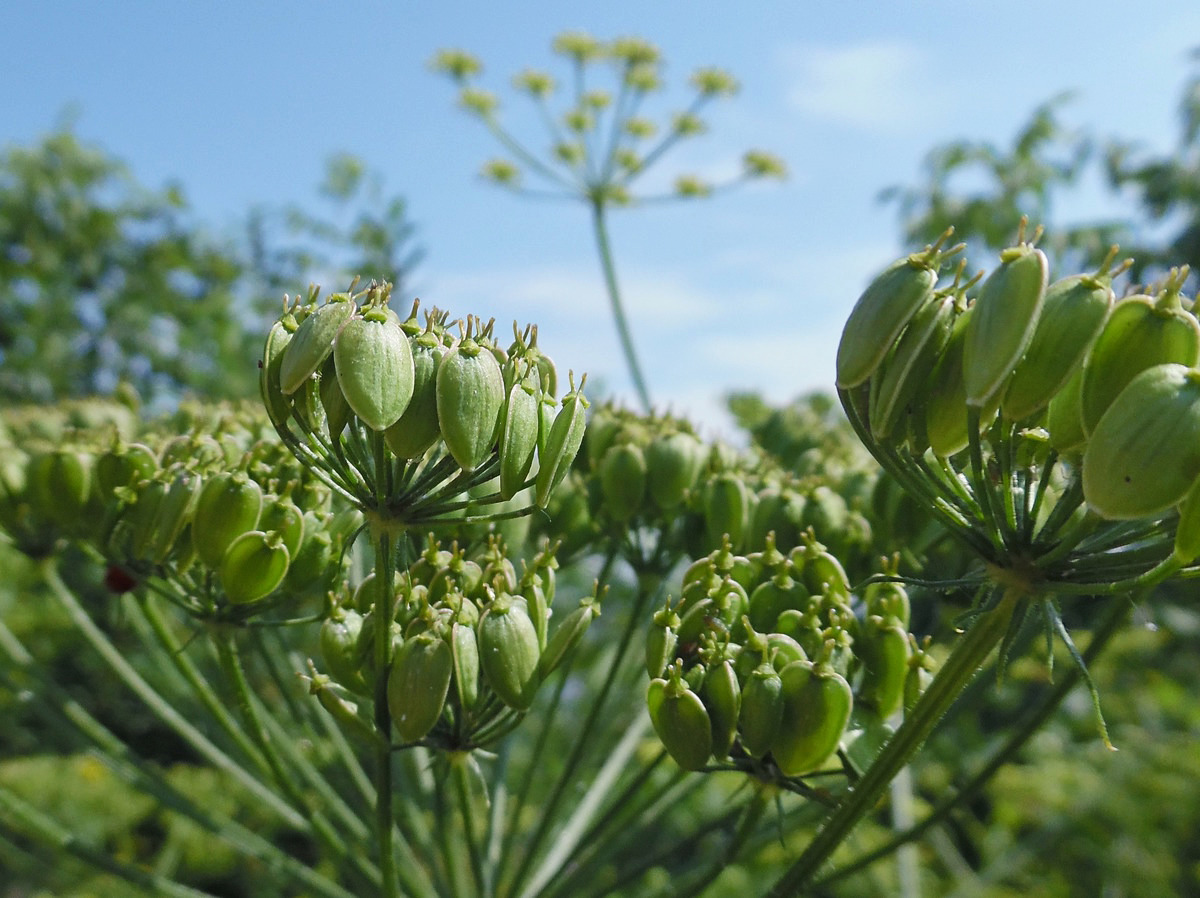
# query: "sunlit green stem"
[584,739]
[160,706]
[1110,623]
[600,231]
[959,668]
[382,657]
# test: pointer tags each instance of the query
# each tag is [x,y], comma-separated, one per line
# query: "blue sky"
[242,103]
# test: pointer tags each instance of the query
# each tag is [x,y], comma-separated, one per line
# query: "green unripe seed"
[465,649]
[882,311]
[1006,314]
[278,404]
[253,567]
[417,429]
[722,697]
[673,464]
[518,437]
[508,652]
[946,406]
[681,722]
[311,344]
[1144,455]
[418,683]
[229,504]
[470,397]
[1138,334]
[374,368]
[623,481]
[1073,313]
[817,703]
[726,509]
[566,636]
[562,444]
[761,710]
[884,652]
[175,511]
[341,651]
[907,368]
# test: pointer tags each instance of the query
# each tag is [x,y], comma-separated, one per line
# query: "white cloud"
[878,86]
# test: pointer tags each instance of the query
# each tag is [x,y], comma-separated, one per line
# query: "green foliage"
[984,190]
[104,280]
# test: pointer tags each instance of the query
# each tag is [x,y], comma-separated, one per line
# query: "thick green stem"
[965,659]
[161,707]
[1114,617]
[383,717]
[600,230]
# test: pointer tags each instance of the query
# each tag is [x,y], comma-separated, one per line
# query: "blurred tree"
[983,190]
[103,280]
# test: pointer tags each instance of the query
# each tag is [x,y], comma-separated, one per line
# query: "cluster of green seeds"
[1068,391]
[768,663]
[454,410]
[470,643]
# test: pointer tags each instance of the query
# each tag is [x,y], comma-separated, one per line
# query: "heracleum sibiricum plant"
[600,142]
[368,609]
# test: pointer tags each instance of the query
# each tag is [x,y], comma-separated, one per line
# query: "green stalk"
[333,842]
[1110,623]
[61,840]
[161,707]
[461,772]
[149,778]
[600,232]
[585,810]
[200,687]
[960,667]
[383,715]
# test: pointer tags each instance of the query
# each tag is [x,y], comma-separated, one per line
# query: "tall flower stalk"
[600,142]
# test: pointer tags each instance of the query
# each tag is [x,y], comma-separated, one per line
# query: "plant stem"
[600,231]
[966,658]
[161,707]
[382,657]
[64,840]
[1114,617]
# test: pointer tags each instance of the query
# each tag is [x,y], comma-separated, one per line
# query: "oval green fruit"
[562,443]
[1005,317]
[1073,314]
[508,652]
[817,703]
[253,567]
[518,437]
[418,683]
[374,368]
[310,345]
[470,396]
[229,504]
[761,710]
[1144,455]
[880,314]
[681,722]
[908,366]
[417,429]
[1140,332]
[673,463]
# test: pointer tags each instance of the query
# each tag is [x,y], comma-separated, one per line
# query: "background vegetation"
[107,284]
